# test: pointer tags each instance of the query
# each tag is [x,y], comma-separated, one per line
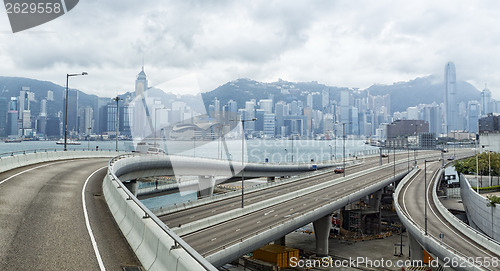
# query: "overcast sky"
[191,46]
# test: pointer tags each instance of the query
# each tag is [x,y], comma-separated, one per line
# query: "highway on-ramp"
[412,201]
[43,222]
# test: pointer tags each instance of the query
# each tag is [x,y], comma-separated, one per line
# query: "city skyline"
[286,111]
[204,45]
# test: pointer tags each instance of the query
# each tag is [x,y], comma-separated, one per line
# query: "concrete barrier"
[20,160]
[156,246]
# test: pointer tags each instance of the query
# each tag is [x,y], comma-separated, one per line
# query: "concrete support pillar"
[416,250]
[206,185]
[132,186]
[280,241]
[322,228]
[270,179]
[375,200]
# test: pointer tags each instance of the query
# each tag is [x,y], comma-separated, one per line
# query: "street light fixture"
[343,143]
[66,110]
[117,100]
[243,158]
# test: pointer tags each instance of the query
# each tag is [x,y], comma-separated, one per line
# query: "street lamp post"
[117,100]
[286,155]
[335,138]
[88,138]
[477,166]
[407,147]
[66,110]
[425,190]
[243,159]
[394,163]
[330,145]
[343,148]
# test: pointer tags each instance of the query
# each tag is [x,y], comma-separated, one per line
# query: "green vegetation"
[468,166]
[493,201]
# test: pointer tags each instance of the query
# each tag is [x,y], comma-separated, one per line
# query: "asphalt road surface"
[42,220]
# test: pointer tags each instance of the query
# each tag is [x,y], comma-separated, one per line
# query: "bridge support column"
[206,185]
[270,179]
[132,186]
[416,250]
[322,228]
[280,241]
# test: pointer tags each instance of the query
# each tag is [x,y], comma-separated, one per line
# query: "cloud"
[342,43]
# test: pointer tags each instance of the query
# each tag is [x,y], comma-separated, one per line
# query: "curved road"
[43,221]
[412,202]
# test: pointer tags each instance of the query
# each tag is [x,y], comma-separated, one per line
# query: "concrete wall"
[490,141]
[484,217]
[156,246]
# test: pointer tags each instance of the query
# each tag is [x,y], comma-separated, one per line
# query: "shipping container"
[276,254]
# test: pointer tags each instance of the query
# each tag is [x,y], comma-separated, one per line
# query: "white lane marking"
[27,170]
[87,223]
[269,212]
[237,229]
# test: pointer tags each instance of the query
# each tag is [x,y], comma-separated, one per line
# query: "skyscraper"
[141,83]
[450,91]
[486,103]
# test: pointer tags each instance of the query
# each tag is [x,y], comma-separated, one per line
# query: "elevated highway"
[221,231]
[452,242]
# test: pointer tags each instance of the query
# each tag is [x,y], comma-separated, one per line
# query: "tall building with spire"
[450,91]
[141,83]
[486,102]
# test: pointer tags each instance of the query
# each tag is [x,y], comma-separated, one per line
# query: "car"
[339,170]
[154,150]
[451,158]
[444,150]
[384,155]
